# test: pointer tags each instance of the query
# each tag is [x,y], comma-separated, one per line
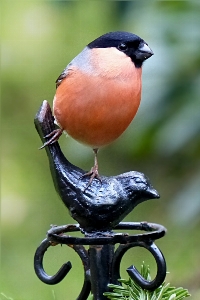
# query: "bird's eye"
[122,47]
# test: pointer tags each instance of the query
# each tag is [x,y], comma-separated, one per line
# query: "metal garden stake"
[98,210]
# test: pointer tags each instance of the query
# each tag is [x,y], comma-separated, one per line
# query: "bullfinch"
[99,92]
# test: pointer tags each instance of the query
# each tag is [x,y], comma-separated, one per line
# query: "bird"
[98,93]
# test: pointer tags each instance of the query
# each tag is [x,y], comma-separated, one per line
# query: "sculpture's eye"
[139,180]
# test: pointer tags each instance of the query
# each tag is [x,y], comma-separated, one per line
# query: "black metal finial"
[98,210]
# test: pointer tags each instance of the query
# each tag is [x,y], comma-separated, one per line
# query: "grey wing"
[81,61]
[60,78]
[62,75]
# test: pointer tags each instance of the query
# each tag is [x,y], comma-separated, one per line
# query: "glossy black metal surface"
[133,272]
[63,271]
[38,265]
[101,263]
[101,206]
[98,210]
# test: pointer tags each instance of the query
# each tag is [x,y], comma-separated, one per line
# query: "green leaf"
[132,291]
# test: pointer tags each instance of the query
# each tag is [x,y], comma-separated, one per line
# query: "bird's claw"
[93,173]
[54,136]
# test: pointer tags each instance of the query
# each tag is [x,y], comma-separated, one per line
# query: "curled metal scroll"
[133,272]
[161,268]
[56,236]
[38,265]
[65,268]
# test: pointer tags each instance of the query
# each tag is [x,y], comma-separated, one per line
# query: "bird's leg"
[93,173]
[54,136]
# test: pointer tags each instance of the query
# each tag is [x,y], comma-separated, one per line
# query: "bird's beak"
[144,52]
[152,193]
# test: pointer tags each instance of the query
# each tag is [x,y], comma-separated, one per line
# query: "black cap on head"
[129,43]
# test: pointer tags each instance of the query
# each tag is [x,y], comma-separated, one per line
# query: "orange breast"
[96,110]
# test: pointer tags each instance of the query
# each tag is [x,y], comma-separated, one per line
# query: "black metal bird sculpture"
[102,205]
[98,208]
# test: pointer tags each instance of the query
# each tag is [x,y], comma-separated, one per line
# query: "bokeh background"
[39,38]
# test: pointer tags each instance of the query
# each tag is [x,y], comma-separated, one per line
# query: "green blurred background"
[39,38]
